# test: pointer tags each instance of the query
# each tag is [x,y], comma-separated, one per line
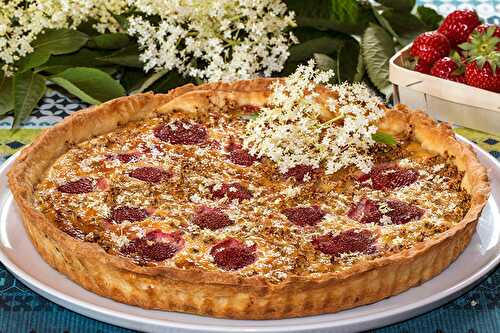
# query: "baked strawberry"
[483,73]
[449,69]
[458,25]
[430,46]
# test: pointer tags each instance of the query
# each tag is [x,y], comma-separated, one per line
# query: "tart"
[154,200]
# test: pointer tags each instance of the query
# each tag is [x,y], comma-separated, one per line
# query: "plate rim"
[387,317]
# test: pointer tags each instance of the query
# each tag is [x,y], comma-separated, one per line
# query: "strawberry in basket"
[483,58]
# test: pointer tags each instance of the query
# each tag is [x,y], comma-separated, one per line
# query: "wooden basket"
[443,99]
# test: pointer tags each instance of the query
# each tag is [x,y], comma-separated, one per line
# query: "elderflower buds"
[289,130]
[209,40]
[22,21]
[214,40]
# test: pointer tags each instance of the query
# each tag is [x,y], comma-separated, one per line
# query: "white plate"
[481,256]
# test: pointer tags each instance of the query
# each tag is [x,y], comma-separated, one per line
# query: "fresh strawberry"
[430,46]
[448,68]
[485,26]
[423,67]
[484,72]
[483,40]
[458,25]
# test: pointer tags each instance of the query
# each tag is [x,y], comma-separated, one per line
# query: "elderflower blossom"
[213,39]
[22,20]
[290,133]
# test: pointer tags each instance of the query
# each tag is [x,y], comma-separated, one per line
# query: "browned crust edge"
[225,294]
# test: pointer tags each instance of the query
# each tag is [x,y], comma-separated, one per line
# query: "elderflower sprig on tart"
[298,127]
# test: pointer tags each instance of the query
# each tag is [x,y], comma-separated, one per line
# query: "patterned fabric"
[22,310]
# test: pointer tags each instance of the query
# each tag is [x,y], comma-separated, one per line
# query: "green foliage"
[89,84]
[128,57]
[429,17]
[109,41]
[6,95]
[60,41]
[82,58]
[351,37]
[350,64]
[306,49]
[377,48]
[399,5]
[28,89]
[348,16]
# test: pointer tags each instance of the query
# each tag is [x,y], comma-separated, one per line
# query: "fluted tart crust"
[151,200]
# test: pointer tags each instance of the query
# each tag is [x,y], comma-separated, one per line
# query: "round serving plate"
[480,257]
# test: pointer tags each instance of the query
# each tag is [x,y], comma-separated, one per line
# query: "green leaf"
[406,25]
[348,16]
[171,80]
[132,78]
[94,83]
[429,17]
[111,70]
[6,96]
[350,65]
[32,60]
[306,50]
[378,47]
[88,27]
[29,88]
[82,58]
[60,41]
[122,20]
[149,81]
[403,22]
[128,56]
[304,34]
[400,5]
[111,41]
[72,89]
[385,138]
[386,25]
[324,62]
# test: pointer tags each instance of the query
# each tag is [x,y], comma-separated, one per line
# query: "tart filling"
[170,202]
[184,191]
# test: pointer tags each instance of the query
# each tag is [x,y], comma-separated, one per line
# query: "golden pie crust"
[225,293]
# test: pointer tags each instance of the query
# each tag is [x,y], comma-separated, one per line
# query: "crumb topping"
[161,197]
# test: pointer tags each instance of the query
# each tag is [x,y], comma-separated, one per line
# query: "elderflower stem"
[329,122]
[289,131]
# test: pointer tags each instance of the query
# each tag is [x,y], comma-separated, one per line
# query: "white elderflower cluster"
[213,40]
[22,20]
[289,130]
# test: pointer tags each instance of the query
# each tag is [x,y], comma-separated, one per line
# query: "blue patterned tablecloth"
[24,311]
